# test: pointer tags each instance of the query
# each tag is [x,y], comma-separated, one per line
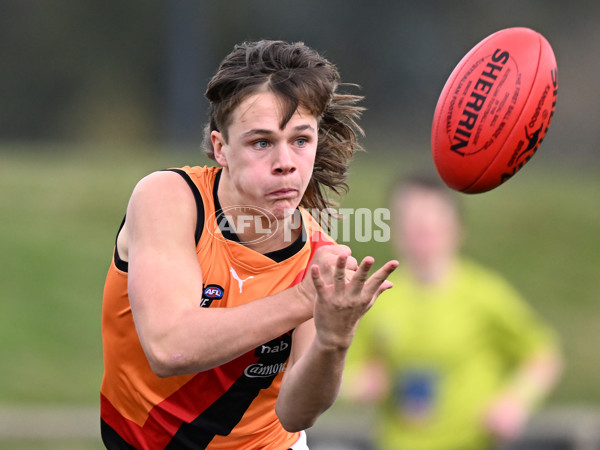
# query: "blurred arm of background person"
[531,383]
[452,356]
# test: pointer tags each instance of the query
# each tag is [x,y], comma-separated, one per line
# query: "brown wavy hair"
[299,76]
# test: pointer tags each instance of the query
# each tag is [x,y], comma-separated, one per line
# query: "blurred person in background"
[452,356]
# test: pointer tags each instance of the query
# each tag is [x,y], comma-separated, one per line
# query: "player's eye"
[260,144]
[301,142]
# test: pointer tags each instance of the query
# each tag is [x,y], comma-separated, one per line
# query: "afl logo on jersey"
[210,293]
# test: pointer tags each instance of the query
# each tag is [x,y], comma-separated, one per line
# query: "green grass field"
[61,209]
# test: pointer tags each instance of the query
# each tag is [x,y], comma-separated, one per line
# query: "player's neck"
[279,238]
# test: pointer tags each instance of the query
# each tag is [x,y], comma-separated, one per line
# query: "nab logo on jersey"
[210,293]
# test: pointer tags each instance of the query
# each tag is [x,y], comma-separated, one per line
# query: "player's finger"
[336,249]
[315,274]
[339,278]
[361,275]
[342,250]
[351,263]
[374,283]
[328,259]
[387,284]
[383,287]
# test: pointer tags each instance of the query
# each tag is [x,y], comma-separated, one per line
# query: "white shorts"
[300,443]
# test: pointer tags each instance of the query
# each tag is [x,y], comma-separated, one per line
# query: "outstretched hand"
[342,303]
[326,259]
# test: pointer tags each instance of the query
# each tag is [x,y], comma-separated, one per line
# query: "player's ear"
[218,142]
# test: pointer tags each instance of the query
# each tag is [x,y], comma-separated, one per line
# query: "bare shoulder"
[158,187]
[161,193]
[161,205]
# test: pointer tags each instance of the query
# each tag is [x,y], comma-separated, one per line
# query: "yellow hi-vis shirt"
[449,349]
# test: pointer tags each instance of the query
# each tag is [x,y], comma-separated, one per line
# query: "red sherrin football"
[494,110]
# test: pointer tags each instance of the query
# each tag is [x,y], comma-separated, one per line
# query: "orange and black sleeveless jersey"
[228,407]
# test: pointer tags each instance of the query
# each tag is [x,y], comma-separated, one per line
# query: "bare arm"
[312,382]
[165,288]
[368,384]
[511,409]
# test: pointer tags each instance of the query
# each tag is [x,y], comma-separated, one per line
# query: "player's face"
[267,166]
[426,227]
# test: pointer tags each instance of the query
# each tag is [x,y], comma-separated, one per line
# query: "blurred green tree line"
[136,70]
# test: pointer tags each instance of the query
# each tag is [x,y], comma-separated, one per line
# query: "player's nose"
[283,161]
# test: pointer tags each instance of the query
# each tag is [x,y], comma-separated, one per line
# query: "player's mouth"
[283,194]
